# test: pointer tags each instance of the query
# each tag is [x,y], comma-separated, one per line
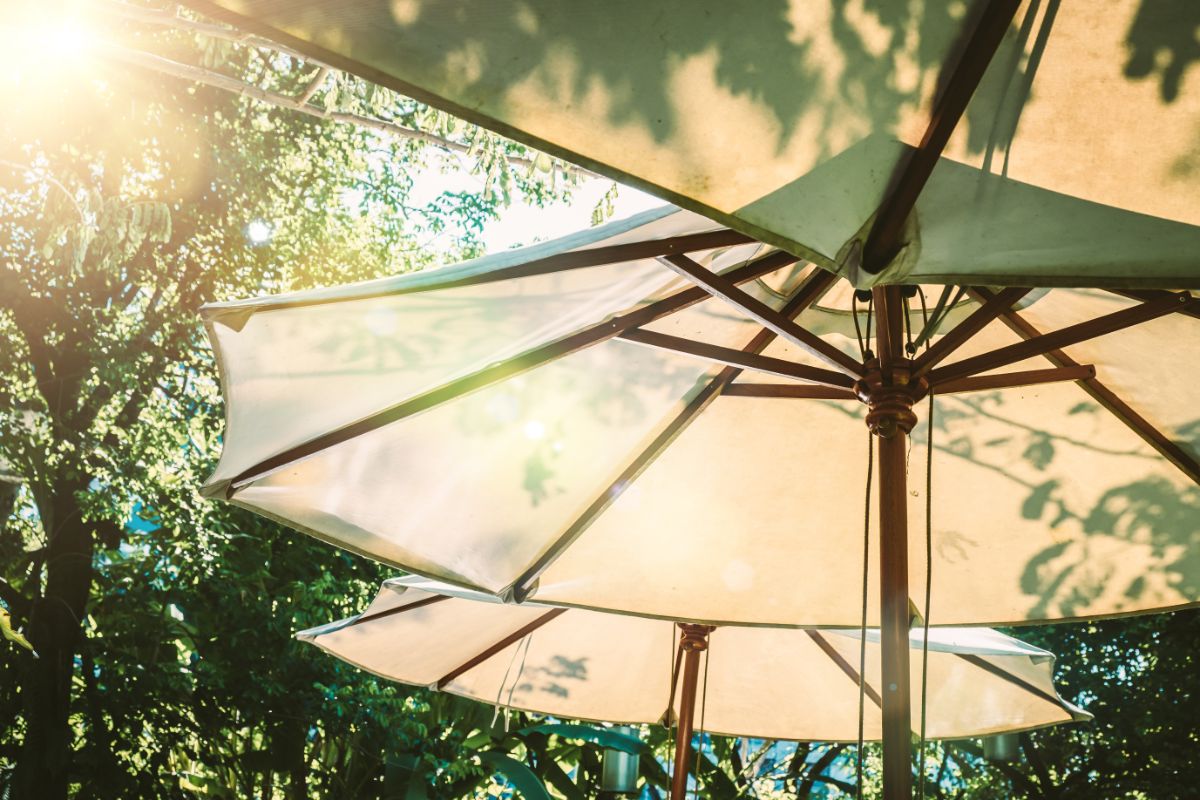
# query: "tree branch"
[819,766]
[313,86]
[155,17]
[218,80]
[18,604]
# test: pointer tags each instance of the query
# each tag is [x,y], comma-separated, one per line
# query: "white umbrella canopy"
[525,426]
[809,125]
[763,682]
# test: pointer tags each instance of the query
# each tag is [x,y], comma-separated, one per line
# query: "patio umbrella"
[577,423]
[993,143]
[1032,138]
[777,683]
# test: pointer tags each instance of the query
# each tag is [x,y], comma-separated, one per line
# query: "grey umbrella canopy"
[1035,143]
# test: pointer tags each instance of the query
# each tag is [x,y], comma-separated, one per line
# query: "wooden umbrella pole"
[889,388]
[893,584]
[693,641]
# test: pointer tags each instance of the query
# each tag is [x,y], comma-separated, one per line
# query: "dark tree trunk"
[55,627]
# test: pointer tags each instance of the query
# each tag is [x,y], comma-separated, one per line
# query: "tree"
[127,200]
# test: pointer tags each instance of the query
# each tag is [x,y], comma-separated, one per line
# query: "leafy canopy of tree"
[162,624]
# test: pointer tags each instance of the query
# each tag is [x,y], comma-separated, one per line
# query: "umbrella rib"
[808,293]
[987,666]
[722,287]
[788,390]
[1064,337]
[1153,294]
[428,601]
[559,262]
[845,666]
[737,358]
[484,655]
[884,239]
[970,326]
[1012,380]
[494,373]
[1109,400]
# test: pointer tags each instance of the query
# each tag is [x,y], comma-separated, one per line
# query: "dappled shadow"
[1164,52]
[1132,542]
[554,679]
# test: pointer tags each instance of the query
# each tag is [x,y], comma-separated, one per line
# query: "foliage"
[162,624]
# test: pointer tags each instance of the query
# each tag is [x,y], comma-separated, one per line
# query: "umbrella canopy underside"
[505,425]
[1074,163]
[779,684]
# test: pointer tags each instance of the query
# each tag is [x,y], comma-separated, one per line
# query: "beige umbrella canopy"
[778,683]
[992,143]
[662,417]
[564,435]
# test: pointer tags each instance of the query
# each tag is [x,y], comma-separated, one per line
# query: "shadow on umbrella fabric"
[775,683]
[501,430]
[724,111]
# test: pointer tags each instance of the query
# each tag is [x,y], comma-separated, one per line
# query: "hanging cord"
[928,567]
[941,309]
[703,709]
[928,586]
[862,631]
[862,347]
[865,351]
[673,731]
[520,670]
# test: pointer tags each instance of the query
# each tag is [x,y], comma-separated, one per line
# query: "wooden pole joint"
[694,637]
[890,396]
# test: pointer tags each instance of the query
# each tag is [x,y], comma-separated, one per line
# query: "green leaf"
[604,737]
[520,776]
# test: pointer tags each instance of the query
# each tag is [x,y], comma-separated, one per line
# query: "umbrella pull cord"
[703,730]
[928,553]
[523,650]
[862,633]
[865,352]
[928,590]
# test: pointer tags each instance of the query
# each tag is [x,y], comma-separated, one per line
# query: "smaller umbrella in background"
[777,683]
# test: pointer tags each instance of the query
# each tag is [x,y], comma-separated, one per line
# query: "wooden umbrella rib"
[559,262]
[722,287]
[1008,677]
[958,336]
[505,369]
[884,239]
[1152,294]
[391,612]
[737,358]
[1064,337]
[845,666]
[1012,380]
[1109,400]
[515,636]
[806,295]
[788,391]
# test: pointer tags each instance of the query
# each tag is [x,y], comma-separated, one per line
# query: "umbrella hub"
[890,394]
[694,637]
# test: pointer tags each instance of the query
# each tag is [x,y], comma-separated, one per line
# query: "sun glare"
[42,46]
[259,232]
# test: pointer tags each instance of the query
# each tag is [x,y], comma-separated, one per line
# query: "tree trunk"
[55,626]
